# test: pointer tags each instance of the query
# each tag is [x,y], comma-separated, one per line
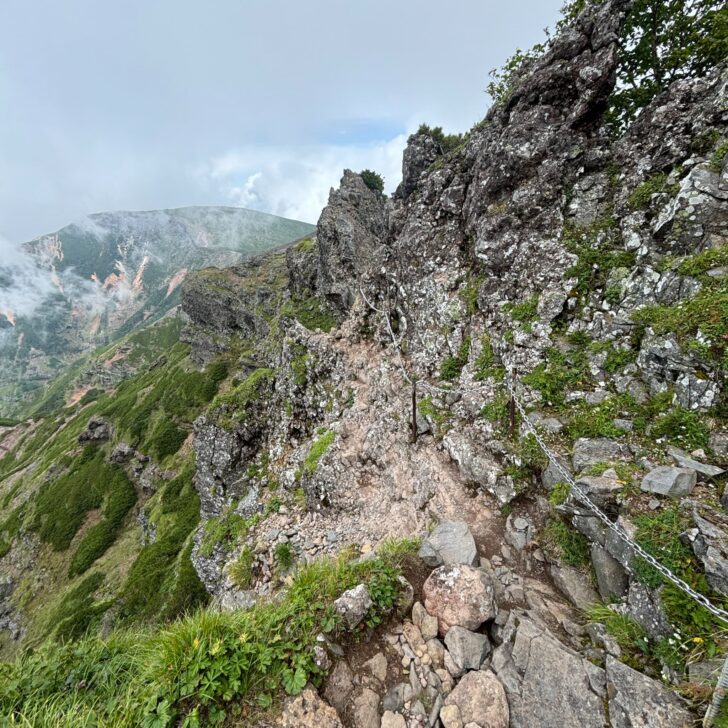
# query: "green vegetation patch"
[640,197]
[563,541]
[706,312]
[206,669]
[120,498]
[452,366]
[317,451]
[62,504]
[310,312]
[485,364]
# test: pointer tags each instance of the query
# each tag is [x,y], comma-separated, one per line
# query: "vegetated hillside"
[94,281]
[588,257]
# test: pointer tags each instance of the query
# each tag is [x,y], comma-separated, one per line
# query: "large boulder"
[637,701]
[590,451]
[548,684]
[612,579]
[97,430]
[480,700]
[449,543]
[458,594]
[673,482]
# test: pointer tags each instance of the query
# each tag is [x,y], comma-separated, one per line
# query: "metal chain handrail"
[701,599]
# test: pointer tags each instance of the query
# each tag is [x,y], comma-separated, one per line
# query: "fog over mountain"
[63,293]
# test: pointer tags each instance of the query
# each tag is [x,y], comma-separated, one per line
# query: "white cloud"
[295,181]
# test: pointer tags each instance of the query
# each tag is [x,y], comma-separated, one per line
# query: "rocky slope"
[592,267]
[93,281]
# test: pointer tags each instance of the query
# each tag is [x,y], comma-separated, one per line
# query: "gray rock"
[468,649]
[588,451]
[365,709]
[480,697]
[353,605]
[685,461]
[710,545]
[551,476]
[550,424]
[706,672]
[98,429]
[393,720]
[458,594]
[449,543]
[477,467]
[637,700]
[643,605]
[519,531]
[718,443]
[547,683]
[673,482]
[396,697]
[612,579]
[339,686]
[574,585]
[377,665]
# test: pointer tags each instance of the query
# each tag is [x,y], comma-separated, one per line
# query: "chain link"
[573,486]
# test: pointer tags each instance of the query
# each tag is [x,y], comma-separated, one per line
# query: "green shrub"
[241,571]
[119,500]
[77,611]
[560,372]
[62,504]
[452,366]
[485,366]
[565,542]
[684,428]
[284,555]
[641,195]
[372,180]
[166,439]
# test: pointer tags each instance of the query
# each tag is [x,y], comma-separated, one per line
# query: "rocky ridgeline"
[489,648]
[596,268]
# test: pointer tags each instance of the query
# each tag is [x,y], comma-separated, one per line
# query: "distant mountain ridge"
[99,278]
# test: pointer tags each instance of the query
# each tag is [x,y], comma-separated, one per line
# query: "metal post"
[414,410]
[512,405]
[718,695]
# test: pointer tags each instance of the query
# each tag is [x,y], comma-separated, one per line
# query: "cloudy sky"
[146,104]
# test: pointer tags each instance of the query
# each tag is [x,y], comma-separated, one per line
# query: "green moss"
[452,366]
[485,365]
[317,451]
[440,417]
[310,312]
[525,312]
[641,196]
